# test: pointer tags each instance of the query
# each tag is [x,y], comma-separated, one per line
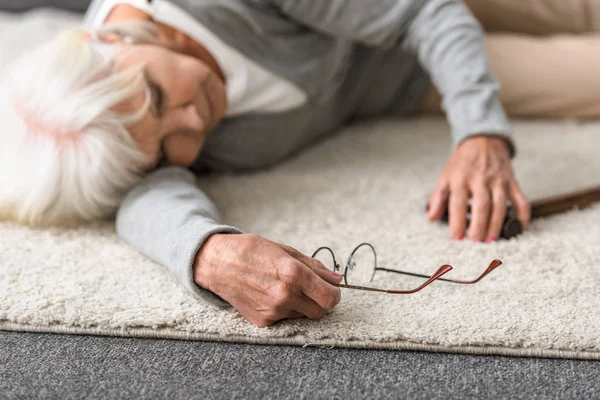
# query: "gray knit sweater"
[353,59]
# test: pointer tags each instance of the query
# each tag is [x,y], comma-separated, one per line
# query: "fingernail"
[460,237]
[491,239]
[337,275]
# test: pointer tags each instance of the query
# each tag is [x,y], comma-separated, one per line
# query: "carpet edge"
[298,341]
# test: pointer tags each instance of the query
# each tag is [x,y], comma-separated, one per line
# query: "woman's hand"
[264,280]
[479,168]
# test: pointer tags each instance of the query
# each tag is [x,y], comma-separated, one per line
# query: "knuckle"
[484,180]
[253,241]
[505,177]
[332,300]
[289,248]
[282,297]
[442,183]
[499,180]
[290,272]
[502,183]
[444,190]
[458,181]
[317,264]
[500,196]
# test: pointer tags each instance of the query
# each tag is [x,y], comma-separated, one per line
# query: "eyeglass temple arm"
[493,265]
[441,271]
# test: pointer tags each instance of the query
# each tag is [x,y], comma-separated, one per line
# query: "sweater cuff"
[479,115]
[183,252]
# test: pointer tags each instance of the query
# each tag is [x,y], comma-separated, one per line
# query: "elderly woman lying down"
[119,116]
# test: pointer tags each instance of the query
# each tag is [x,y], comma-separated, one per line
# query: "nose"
[191,119]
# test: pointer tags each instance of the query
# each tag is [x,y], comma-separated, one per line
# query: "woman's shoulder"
[238,16]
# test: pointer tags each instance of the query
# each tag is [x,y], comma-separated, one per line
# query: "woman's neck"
[175,39]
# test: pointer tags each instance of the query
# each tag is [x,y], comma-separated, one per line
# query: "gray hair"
[65,155]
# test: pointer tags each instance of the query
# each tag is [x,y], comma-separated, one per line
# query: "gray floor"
[52,366]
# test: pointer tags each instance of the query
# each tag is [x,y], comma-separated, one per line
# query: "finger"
[308,308]
[315,265]
[438,202]
[480,213]
[521,204]
[499,198]
[309,261]
[457,209]
[321,292]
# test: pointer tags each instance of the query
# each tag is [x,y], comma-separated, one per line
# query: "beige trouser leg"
[558,76]
[555,76]
[537,16]
[542,76]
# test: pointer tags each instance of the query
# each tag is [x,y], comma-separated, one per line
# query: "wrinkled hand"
[479,168]
[264,280]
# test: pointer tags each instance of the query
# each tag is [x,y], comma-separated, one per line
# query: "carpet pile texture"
[369,183]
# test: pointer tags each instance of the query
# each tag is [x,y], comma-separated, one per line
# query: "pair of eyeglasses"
[437,276]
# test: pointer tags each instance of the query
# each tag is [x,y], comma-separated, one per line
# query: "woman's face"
[188,99]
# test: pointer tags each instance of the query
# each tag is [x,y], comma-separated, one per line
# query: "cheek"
[183,89]
[145,134]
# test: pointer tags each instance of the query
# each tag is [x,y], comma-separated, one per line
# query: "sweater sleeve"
[446,37]
[168,218]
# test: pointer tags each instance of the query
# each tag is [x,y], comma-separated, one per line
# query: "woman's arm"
[444,34]
[168,218]
[450,46]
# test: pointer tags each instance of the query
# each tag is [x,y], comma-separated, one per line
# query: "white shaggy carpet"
[369,183]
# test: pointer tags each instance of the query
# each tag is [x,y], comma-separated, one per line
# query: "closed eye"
[157,97]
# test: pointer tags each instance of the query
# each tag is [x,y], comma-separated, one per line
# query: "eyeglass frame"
[444,269]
